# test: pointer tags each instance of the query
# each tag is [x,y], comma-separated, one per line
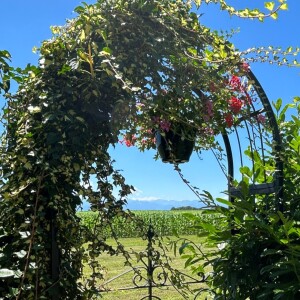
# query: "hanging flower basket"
[173,148]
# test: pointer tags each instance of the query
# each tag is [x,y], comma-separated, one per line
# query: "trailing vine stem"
[193,189]
[32,235]
[91,63]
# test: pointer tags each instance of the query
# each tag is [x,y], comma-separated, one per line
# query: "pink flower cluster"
[261,119]
[128,140]
[245,67]
[235,105]
[235,83]
[209,110]
[228,119]
[209,131]
[163,124]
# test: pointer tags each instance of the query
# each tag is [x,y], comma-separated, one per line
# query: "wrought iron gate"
[151,276]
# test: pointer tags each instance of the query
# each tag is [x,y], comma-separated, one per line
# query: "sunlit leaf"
[198,3]
[269,5]
[4,273]
[274,16]
[34,109]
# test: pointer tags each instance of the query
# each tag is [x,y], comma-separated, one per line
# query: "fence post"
[150,269]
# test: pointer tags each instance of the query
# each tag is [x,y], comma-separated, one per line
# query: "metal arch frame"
[279,176]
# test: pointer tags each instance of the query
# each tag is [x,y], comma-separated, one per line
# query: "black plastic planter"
[172,148]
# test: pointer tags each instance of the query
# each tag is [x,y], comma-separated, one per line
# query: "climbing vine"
[119,68]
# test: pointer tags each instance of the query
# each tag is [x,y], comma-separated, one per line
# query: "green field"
[165,223]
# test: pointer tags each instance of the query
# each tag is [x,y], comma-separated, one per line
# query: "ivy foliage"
[4,69]
[271,9]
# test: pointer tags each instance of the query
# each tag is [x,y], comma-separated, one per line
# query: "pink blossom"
[235,105]
[165,125]
[209,108]
[148,141]
[139,105]
[128,140]
[261,119]
[208,131]
[235,82]
[245,67]
[229,120]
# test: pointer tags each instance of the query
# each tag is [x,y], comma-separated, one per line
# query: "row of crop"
[165,223]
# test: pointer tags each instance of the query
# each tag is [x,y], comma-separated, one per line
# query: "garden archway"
[116,67]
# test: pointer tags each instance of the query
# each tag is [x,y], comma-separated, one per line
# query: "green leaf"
[269,5]
[135,89]
[198,3]
[83,56]
[245,170]
[20,211]
[20,254]
[282,113]
[223,201]
[244,205]
[284,6]
[274,16]
[82,36]
[34,109]
[5,273]
[183,247]
[79,9]
[106,51]
[277,104]
[76,167]
[193,51]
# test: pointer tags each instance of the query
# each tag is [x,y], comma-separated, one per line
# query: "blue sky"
[25,24]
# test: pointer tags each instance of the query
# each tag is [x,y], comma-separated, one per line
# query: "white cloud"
[149,198]
[138,195]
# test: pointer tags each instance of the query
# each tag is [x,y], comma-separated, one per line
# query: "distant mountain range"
[161,204]
[155,204]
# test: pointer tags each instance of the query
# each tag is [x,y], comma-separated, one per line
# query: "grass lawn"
[114,266]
